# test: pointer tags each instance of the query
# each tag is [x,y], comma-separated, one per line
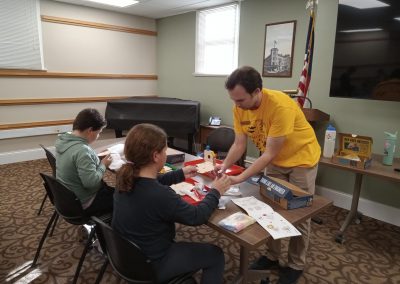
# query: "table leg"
[246,274]
[243,266]
[353,210]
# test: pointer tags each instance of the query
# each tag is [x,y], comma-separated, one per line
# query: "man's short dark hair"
[247,77]
[87,118]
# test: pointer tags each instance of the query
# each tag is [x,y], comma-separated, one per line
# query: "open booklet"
[277,226]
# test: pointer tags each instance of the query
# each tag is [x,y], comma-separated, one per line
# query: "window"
[217,38]
[20,35]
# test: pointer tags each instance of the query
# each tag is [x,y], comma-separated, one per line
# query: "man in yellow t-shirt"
[290,151]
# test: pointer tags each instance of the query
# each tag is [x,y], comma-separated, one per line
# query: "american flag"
[305,76]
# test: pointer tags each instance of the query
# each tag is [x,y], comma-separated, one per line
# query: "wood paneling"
[35,124]
[95,25]
[17,102]
[44,74]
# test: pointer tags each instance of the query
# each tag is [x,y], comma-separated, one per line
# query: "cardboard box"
[175,156]
[354,151]
[283,193]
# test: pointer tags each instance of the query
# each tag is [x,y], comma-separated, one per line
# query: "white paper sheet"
[117,149]
[234,190]
[205,167]
[185,188]
[117,162]
[277,226]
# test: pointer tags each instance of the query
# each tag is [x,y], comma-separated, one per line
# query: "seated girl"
[146,209]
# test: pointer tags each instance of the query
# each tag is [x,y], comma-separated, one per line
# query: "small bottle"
[329,143]
[389,148]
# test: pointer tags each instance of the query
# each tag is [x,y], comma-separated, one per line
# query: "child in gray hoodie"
[78,167]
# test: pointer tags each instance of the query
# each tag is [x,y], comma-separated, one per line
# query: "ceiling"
[383,17]
[155,9]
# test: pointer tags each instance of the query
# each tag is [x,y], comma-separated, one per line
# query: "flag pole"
[305,76]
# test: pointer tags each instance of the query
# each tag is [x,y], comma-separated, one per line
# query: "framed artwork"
[278,49]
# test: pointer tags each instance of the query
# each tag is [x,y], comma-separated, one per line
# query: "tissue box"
[354,151]
[283,193]
[175,156]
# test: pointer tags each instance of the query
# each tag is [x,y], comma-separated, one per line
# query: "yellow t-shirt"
[278,115]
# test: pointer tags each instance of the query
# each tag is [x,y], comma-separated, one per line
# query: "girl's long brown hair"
[140,144]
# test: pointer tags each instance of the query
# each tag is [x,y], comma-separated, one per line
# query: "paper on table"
[205,167]
[233,191]
[277,226]
[117,162]
[223,200]
[117,149]
[185,188]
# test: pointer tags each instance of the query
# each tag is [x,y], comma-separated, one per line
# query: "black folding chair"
[220,141]
[70,209]
[52,161]
[127,259]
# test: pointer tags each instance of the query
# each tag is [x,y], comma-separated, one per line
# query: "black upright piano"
[179,118]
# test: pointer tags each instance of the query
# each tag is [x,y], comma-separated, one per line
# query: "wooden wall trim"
[44,74]
[95,25]
[35,124]
[18,102]
[290,92]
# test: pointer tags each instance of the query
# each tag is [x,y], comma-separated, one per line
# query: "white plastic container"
[329,143]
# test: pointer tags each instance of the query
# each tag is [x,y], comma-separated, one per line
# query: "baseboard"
[367,207]
[22,156]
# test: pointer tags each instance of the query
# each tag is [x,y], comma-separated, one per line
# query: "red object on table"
[232,171]
[190,200]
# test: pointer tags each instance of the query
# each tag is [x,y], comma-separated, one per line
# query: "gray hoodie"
[78,167]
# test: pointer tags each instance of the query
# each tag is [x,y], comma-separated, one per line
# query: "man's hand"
[235,179]
[221,184]
[219,169]
[107,160]
[189,171]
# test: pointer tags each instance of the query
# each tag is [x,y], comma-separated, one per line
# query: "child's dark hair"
[247,77]
[140,144]
[87,118]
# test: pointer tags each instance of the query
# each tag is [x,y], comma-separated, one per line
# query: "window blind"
[217,40]
[20,35]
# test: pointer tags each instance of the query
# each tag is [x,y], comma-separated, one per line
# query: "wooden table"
[377,169]
[253,236]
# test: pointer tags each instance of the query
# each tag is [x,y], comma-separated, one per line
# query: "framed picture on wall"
[278,49]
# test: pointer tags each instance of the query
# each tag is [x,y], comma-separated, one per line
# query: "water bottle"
[389,148]
[329,143]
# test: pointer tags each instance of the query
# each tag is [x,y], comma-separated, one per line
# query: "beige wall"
[78,49]
[176,45]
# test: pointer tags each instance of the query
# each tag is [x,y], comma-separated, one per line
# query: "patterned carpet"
[371,253]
